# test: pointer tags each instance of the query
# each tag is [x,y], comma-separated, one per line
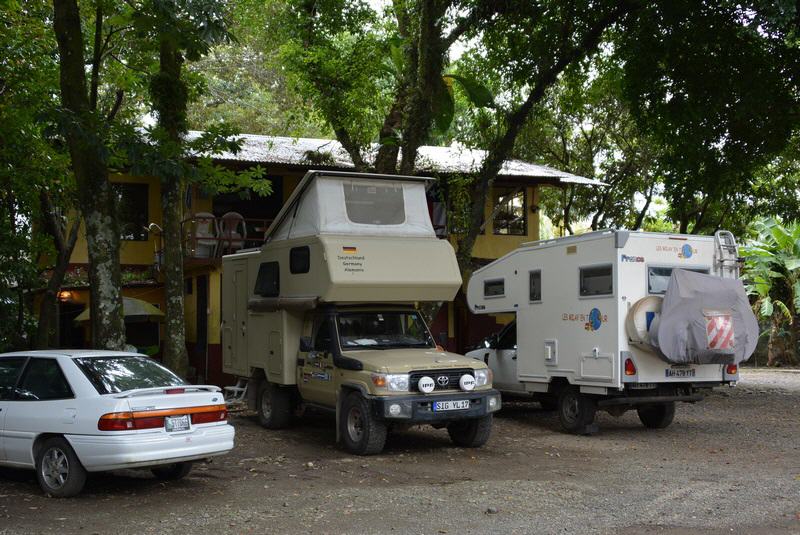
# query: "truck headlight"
[394,382]
[483,377]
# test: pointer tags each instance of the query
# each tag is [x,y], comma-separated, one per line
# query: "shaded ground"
[729,464]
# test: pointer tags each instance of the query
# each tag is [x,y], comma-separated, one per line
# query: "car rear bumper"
[419,408]
[113,452]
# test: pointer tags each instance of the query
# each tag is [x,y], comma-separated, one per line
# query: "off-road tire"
[172,472]
[657,416]
[471,433]
[576,411]
[58,470]
[274,406]
[362,433]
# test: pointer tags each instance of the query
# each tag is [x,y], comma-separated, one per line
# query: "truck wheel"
[471,433]
[58,469]
[274,405]
[657,416]
[575,410]
[362,433]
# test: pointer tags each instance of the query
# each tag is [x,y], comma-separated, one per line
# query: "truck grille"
[443,379]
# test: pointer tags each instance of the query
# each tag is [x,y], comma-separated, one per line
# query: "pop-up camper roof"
[355,204]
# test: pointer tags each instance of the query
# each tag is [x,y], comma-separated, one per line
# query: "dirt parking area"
[728,464]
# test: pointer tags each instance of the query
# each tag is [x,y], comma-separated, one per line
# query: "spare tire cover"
[640,316]
[704,320]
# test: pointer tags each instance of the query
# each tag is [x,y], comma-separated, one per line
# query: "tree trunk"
[96,198]
[48,318]
[774,345]
[175,355]
[169,95]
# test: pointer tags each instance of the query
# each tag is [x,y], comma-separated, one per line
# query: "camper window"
[374,205]
[268,280]
[536,285]
[494,288]
[322,340]
[596,280]
[299,260]
[658,277]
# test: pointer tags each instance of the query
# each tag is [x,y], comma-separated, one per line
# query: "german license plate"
[454,405]
[680,372]
[176,423]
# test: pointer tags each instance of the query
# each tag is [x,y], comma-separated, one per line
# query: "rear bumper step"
[646,400]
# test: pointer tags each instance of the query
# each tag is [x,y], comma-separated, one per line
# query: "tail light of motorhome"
[630,367]
[732,369]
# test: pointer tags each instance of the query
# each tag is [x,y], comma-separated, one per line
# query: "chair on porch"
[233,232]
[205,233]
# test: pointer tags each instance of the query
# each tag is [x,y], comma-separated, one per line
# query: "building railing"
[208,236]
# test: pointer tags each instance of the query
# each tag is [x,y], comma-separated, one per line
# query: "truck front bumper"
[422,408]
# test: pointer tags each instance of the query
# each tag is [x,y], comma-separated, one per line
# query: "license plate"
[176,423]
[455,405]
[680,372]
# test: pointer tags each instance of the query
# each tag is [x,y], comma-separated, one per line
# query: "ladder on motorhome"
[726,255]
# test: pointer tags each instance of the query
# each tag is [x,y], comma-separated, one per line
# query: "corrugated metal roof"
[309,152]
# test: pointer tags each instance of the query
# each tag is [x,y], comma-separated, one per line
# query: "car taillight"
[630,367]
[210,417]
[131,421]
[116,421]
[174,390]
[732,369]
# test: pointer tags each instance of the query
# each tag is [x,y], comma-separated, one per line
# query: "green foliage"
[32,163]
[715,84]
[772,275]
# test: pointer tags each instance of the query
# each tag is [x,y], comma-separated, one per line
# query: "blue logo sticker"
[595,320]
[686,251]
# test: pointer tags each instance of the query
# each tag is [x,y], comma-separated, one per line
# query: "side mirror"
[305,344]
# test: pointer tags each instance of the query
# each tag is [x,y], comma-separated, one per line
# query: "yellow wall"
[490,245]
[214,305]
[132,252]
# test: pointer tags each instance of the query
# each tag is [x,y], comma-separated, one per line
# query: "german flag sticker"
[349,250]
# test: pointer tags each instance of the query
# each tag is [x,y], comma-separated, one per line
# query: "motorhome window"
[374,204]
[536,285]
[596,280]
[658,277]
[268,280]
[299,259]
[322,340]
[494,288]
[382,330]
[510,215]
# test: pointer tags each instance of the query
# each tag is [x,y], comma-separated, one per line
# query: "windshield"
[381,330]
[112,375]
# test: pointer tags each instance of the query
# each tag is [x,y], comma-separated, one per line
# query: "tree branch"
[117,104]
[97,56]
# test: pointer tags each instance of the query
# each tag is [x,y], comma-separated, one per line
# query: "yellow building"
[222,223]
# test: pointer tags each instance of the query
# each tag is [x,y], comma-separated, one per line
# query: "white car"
[69,412]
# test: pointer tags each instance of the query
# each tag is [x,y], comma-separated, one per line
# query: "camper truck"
[616,320]
[323,315]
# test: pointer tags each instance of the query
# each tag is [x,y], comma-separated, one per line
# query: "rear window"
[112,375]
[375,205]
[658,277]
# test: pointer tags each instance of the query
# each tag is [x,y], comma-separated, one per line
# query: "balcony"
[207,237]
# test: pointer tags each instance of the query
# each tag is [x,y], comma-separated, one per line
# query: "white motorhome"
[590,332]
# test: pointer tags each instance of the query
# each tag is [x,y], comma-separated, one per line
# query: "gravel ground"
[728,464]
